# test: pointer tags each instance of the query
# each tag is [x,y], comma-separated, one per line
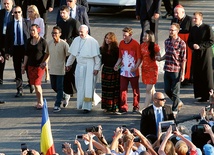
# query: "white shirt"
[21,30]
[73,12]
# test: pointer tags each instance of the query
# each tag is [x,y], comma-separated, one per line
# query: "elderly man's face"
[8,4]
[179,13]
[83,32]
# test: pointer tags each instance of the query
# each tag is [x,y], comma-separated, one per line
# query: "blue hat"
[208,149]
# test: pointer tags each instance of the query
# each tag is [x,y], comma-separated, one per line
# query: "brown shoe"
[180,105]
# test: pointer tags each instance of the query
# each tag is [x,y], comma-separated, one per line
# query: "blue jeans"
[57,86]
[172,87]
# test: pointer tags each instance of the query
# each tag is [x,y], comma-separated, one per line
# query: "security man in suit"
[149,119]
[5,16]
[148,12]
[17,33]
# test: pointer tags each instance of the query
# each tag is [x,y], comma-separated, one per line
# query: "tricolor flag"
[46,141]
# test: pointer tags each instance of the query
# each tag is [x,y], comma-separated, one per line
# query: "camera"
[29,152]
[209,107]
[23,146]
[173,127]
[132,130]
[92,129]
[200,128]
[75,148]
[79,136]
[63,146]
[136,139]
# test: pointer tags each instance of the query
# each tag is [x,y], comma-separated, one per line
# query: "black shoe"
[85,111]
[167,15]
[19,94]
[32,89]
[2,102]
[202,100]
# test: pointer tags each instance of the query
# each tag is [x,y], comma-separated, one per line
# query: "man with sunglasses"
[6,16]
[149,119]
[17,33]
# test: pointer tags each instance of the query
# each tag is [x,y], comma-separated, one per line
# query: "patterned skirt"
[110,89]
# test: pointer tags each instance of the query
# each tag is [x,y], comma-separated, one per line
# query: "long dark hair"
[151,47]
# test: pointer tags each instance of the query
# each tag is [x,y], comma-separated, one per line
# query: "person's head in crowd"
[181,148]
[110,41]
[71,3]
[170,148]
[8,5]
[159,99]
[179,12]
[197,18]
[33,12]
[83,31]
[127,34]
[173,30]
[17,12]
[208,149]
[64,12]
[34,30]
[149,38]
[56,33]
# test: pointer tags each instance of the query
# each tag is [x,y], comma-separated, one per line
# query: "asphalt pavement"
[21,122]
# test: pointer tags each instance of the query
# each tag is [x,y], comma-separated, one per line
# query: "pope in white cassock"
[85,49]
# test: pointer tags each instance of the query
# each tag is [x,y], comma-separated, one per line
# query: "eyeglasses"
[161,99]
[54,33]
[16,12]
[172,30]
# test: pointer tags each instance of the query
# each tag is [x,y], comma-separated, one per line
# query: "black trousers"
[2,65]
[18,58]
[169,8]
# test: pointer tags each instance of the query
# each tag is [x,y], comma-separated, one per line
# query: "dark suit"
[2,39]
[169,8]
[17,51]
[80,2]
[148,121]
[81,15]
[146,9]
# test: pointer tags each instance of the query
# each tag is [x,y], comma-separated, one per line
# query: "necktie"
[158,118]
[18,33]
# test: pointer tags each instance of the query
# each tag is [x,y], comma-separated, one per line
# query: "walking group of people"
[75,68]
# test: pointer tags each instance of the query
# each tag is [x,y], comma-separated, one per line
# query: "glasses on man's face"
[172,30]
[54,32]
[16,12]
[161,99]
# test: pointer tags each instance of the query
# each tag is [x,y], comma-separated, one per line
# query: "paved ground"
[20,122]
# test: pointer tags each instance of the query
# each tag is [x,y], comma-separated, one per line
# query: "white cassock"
[87,53]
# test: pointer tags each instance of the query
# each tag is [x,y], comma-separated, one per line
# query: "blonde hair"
[181,147]
[169,148]
[35,11]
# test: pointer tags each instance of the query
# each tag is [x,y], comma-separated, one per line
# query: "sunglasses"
[16,12]
[161,99]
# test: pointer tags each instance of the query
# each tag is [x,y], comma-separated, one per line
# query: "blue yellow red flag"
[46,140]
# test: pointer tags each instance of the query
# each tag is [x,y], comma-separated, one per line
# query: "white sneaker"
[56,109]
[65,102]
